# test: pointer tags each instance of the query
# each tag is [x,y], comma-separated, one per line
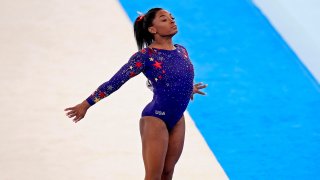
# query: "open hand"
[196,89]
[78,111]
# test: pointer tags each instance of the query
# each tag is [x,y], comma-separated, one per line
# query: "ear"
[152,30]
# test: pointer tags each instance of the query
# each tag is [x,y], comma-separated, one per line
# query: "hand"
[79,111]
[196,89]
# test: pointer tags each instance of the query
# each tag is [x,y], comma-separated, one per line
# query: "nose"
[173,21]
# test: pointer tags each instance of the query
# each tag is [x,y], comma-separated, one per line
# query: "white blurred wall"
[298,22]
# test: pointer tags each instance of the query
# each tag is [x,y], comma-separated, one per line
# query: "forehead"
[162,12]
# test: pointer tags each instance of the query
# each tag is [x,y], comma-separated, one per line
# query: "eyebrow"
[165,15]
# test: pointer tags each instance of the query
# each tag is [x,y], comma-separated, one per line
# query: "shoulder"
[141,54]
[144,52]
[182,49]
[179,46]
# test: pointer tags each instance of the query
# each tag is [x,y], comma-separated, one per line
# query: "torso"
[171,74]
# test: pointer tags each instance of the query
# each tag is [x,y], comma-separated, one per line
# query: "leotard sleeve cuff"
[90,101]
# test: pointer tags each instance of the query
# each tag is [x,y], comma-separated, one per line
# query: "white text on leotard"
[160,112]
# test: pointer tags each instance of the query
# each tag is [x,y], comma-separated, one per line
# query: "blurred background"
[259,119]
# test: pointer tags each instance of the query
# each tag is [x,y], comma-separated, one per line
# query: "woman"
[170,74]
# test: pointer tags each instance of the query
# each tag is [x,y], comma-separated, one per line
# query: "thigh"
[154,137]
[175,145]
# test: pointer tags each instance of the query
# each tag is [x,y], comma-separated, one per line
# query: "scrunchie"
[140,17]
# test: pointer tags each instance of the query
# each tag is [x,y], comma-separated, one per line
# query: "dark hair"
[141,25]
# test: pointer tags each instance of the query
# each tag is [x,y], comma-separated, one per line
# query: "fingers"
[201,86]
[198,84]
[69,108]
[200,92]
[73,112]
[77,118]
[71,115]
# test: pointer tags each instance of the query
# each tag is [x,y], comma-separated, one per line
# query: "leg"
[175,146]
[154,137]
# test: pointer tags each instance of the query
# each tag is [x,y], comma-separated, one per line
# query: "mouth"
[174,27]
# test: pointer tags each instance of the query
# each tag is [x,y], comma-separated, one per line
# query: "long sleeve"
[133,67]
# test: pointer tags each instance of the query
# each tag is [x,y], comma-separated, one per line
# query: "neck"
[163,43]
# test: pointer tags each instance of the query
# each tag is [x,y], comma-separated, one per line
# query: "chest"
[169,63]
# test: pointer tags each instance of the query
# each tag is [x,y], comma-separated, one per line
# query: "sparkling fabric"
[170,74]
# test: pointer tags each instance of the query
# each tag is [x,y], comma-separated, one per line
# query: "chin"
[171,34]
[174,33]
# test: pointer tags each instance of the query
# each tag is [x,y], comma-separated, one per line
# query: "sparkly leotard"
[171,74]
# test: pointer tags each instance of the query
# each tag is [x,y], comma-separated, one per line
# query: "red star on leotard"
[157,65]
[132,74]
[151,51]
[138,64]
[102,95]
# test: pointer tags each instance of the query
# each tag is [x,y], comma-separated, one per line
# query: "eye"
[164,19]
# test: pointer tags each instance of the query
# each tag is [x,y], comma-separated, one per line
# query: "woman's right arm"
[133,67]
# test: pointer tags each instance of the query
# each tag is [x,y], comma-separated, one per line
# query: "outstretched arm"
[133,67]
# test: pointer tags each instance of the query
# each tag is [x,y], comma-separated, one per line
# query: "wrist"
[85,104]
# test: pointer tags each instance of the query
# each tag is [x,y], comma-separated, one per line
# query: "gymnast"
[170,76]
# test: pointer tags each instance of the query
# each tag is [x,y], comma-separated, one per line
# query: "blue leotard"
[171,74]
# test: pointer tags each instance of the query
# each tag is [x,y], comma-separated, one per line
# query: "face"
[163,24]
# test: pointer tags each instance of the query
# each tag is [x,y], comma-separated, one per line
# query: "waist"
[172,96]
